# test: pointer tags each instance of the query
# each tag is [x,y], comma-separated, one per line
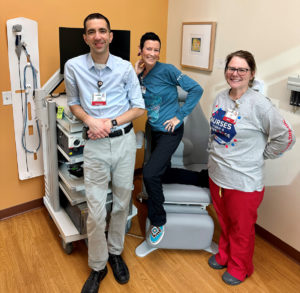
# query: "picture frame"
[197,45]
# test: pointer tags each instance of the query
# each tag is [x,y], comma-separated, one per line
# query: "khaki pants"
[108,160]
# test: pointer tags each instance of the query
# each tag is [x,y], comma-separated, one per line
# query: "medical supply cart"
[64,193]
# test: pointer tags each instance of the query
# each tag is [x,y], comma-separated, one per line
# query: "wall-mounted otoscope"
[17,28]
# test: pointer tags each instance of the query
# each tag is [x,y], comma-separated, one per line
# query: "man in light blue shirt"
[103,91]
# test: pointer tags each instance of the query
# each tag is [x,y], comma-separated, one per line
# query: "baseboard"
[22,208]
[278,243]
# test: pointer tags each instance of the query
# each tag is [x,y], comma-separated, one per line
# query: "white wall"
[270,30]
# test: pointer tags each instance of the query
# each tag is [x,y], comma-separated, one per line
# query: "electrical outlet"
[6,96]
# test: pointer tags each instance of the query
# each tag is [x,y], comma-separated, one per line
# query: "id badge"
[143,89]
[231,116]
[99,99]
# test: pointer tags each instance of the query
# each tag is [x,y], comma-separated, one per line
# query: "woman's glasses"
[240,71]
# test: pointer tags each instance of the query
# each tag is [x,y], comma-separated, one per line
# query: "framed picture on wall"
[197,45]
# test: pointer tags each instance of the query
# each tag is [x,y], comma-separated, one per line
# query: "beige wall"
[136,16]
[270,30]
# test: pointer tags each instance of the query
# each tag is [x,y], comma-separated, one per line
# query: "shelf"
[63,101]
[74,197]
[67,229]
[73,183]
[72,160]
[70,125]
[73,187]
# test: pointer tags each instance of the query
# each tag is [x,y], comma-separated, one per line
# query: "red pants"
[237,214]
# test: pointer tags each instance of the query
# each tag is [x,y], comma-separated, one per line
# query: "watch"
[114,122]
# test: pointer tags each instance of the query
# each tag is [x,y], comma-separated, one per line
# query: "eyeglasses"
[240,71]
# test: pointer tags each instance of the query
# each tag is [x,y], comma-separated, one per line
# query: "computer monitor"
[71,44]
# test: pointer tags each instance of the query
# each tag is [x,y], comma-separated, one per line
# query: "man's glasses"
[240,71]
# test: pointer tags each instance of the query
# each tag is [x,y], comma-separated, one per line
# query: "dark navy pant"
[163,145]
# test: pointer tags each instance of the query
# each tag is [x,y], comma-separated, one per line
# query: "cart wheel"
[67,247]
[128,226]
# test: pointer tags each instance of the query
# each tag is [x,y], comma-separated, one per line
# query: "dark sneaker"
[92,284]
[156,234]
[213,263]
[230,280]
[119,268]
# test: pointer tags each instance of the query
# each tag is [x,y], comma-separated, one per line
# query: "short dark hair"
[149,36]
[249,58]
[95,16]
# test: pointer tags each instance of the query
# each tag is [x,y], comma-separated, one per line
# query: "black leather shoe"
[92,284]
[213,263]
[119,268]
[230,280]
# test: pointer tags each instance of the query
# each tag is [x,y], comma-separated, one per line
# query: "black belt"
[116,133]
[122,131]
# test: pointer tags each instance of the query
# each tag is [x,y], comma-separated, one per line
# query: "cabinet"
[64,193]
